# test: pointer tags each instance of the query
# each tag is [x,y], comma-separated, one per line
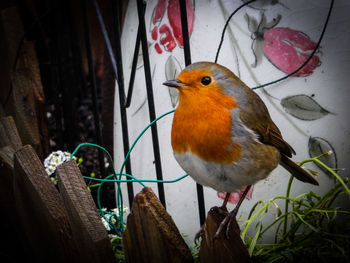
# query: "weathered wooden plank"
[6,158]
[28,66]
[11,32]
[222,249]
[22,106]
[151,235]
[88,230]
[9,143]
[9,135]
[41,211]
[21,89]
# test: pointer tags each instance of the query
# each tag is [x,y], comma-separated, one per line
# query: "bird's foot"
[199,234]
[225,224]
[222,210]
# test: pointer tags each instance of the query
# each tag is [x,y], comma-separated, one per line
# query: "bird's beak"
[173,83]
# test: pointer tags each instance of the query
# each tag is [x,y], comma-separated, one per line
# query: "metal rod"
[123,113]
[120,79]
[185,37]
[133,69]
[66,99]
[93,85]
[106,38]
[187,54]
[152,114]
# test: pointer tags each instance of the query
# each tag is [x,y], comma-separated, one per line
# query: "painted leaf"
[172,69]
[303,107]
[257,29]
[262,4]
[319,146]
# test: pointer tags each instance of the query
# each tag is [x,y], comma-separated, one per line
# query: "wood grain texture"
[41,211]
[9,143]
[222,249]
[89,233]
[21,87]
[151,235]
[9,135]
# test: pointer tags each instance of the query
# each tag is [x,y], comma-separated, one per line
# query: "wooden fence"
[64,226]
[47,224]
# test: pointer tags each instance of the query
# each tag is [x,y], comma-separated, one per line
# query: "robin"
[222,133]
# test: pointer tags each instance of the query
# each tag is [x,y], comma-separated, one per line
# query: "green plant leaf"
[318,147]
[303,107]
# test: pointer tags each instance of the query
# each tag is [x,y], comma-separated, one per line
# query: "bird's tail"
[297,171]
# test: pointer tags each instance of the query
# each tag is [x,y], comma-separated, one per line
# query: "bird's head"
[196,77]
[204,79]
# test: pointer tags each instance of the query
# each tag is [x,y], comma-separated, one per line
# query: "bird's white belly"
[221,177]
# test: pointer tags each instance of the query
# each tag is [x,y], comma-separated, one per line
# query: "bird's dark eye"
[206,80]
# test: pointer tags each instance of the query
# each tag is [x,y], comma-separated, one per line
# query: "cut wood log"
[151,235]
[41,211]
[221,249]
[89,233]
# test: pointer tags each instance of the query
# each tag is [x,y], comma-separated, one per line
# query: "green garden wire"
[119,229]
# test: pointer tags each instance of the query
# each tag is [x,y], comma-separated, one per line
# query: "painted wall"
[263,42]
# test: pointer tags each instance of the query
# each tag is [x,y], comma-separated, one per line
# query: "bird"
[223,136]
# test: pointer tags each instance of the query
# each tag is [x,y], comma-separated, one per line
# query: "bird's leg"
[227,220]
[199,234]
[222,210]
[225,200]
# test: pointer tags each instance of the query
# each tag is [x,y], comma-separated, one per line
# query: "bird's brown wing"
[256,117]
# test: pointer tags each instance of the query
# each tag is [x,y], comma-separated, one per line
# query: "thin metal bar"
[66,100]
[133,69]
[122,98]
[152,113]
[185,37]
[187,54]
[120,78]
[106,38]
[93,85]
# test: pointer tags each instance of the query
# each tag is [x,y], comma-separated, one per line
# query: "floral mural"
[286,48]
[167,33]
[264,41]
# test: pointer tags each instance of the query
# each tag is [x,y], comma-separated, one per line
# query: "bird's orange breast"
[202,125]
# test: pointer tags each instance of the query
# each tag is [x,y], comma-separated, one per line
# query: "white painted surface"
[329,83]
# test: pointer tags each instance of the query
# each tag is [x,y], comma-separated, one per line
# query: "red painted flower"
[285,48]
[169,35]
[234,197]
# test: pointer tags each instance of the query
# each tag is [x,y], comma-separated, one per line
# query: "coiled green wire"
[119,229]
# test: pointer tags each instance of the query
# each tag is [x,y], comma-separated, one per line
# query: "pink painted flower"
[234,197]
[285,48]
[169,35]
[288,49]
